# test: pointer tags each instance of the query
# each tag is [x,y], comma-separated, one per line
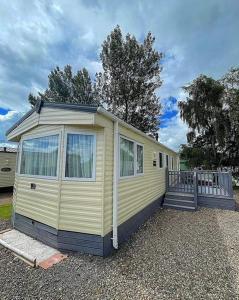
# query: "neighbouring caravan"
[85,180]
[7,168]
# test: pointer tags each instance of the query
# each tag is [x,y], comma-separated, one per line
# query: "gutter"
[115,184]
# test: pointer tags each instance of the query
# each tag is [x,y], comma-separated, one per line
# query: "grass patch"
[5,211]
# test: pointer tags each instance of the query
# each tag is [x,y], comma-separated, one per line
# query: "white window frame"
[37,136]
[79,132]
[135,158]
[163,160]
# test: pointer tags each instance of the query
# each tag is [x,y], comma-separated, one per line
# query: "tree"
[212,114]
[202,112]
[131,74]
[65,87]
[231,112]
[196,156]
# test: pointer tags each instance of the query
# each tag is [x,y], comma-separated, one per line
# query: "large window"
[126,157]
[160,160]
[39,156]
[80,156]
[140,159]
[131,158]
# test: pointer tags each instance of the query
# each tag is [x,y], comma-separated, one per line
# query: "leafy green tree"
[64,87]
[212,114]
[231,112]
[130,77]
[197,156]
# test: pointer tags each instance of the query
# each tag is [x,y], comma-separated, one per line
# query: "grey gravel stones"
[175,255]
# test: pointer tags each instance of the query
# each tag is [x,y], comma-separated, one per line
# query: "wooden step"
[181,196]
[179,207]
[180,202]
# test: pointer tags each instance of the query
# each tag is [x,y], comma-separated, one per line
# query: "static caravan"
[85,180]
[7,168]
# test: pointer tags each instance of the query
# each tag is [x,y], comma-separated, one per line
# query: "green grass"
[5,211]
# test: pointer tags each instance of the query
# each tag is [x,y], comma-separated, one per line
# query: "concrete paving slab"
[27,247]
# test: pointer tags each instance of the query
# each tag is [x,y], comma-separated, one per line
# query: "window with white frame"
[80,156]
[167,160]
[39,156]
[140,159]
[161,165]
[131,158]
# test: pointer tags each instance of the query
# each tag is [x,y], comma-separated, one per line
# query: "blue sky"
[197,37]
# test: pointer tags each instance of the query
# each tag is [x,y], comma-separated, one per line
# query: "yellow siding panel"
[40,204]
[82,201]
[7,160]
[137,192]
[108,174]
[26,125]
[62,116]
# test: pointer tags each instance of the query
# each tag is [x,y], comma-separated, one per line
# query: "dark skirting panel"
[216,202]
[82,242]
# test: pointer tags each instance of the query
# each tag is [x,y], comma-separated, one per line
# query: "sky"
[196,37]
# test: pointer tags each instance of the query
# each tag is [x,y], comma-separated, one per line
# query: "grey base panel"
[220,202]
[82,242]
[6,189]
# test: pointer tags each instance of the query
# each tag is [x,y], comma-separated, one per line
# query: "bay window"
[131,158]
[39,156]
[80,156]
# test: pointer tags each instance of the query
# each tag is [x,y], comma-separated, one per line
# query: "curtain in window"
[39,156]
[126,157]
[79,156]
[140,159]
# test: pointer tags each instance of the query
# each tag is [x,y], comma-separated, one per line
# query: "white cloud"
[6,121]
[8,115]
[174,134]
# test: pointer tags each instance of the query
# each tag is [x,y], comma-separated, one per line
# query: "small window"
[160,160]
[80,152]
[39,156]
[126,157]
[167,161]
[172,164]
[140,159]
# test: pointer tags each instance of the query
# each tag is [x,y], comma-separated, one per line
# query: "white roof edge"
[111,116]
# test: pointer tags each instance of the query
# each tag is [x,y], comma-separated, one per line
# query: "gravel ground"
[4,224]
[175,255]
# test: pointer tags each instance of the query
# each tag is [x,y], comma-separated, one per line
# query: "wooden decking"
[190,189]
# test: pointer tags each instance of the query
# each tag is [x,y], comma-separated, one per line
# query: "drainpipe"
[115,184]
